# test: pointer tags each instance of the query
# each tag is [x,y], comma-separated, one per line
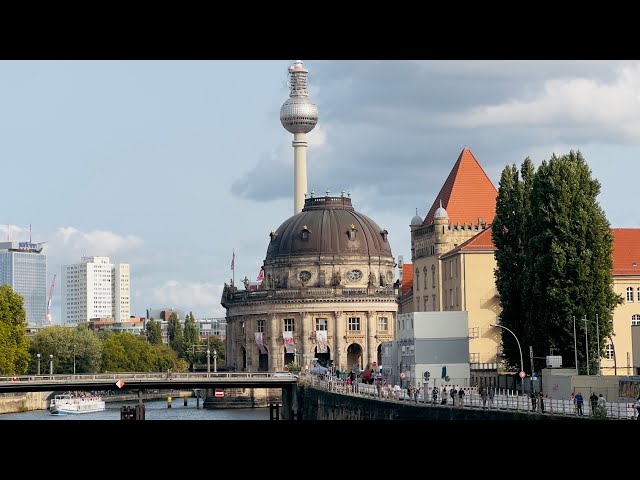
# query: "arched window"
[635,319]
[424,271]
[608,351]
[629,294]
[417,279]
[433,275]
[639,294]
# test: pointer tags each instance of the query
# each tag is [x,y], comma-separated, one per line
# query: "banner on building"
[259,342]
[321,341]
[288,342]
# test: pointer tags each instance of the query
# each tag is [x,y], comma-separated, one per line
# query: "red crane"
[53,282]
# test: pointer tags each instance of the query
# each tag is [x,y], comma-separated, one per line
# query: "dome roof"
[417,219]
[328,226]
[440,212]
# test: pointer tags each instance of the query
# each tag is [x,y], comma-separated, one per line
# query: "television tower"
[298,115]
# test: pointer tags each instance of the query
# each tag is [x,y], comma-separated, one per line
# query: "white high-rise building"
[95,288]
[120,302]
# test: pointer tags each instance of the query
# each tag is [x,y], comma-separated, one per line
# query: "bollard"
[186,402]
[140,412]
[168,402]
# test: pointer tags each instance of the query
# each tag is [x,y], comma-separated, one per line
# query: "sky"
[170,166]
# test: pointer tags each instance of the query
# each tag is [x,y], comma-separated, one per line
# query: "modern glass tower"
[24,268]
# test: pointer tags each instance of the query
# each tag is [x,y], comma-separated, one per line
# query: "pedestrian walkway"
[502,399]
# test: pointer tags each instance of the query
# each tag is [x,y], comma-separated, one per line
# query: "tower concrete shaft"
[299,171]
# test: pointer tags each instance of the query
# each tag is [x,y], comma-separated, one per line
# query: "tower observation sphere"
[298,114]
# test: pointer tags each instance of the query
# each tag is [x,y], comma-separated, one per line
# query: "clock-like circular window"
[354,275]
[304,276]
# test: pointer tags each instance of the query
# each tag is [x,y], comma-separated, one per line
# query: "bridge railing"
[115,376]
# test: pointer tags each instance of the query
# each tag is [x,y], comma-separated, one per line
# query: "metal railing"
[502,399]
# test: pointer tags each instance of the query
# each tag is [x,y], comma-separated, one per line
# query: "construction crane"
[53,282]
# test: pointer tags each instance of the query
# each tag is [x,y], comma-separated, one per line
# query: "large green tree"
[512,211]
[567,245]
[191,340]
[77,346]
[14,355]
[154,332]
[174,333]
[126,352]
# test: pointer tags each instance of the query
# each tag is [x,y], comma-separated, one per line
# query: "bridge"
[141,381]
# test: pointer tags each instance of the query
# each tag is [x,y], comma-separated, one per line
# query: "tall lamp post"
[38,355]
[51,364]
[215,361]
[208,361]
[518,342]
[74,358]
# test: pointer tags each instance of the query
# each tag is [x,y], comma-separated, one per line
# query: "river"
[154,410]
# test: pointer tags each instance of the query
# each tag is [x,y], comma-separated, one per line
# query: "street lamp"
[208,361]
[74,358]
[51,364]
[38,355]
[518,341]
[215,361]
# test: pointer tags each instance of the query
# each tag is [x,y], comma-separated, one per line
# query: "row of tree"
[95,352]
[554,261]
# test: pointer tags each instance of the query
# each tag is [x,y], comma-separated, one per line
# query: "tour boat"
[73,404]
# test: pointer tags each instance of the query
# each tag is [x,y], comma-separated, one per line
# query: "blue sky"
[171,165]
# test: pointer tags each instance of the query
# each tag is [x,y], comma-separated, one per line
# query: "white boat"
[68,403]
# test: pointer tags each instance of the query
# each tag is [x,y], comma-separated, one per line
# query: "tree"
[67,345]
[14,355]
[560,262]
[154,332]
[190,340]
[174,333]
[126,352]
[507,232]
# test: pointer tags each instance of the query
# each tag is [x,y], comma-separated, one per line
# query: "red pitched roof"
[480,242]
[407,277]
[626,251]
[467,194]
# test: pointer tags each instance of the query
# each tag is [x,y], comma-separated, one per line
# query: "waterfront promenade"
[507,400]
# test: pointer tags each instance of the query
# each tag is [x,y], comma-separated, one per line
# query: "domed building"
[328,293]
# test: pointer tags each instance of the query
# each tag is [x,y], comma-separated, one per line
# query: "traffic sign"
[119,384]
[426,376]
[219,392]
[522,374]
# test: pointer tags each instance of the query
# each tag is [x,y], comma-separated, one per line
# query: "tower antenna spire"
[299,116]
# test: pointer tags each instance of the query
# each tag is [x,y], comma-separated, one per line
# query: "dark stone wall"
[318,404]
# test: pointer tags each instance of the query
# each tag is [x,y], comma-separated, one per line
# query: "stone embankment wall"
[24,402]
[322,405]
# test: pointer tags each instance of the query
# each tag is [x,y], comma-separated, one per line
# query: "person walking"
[483,396]
[461,397]
[638,408]
[602,405]
[593,402]
[453,393]
[533,401]
[579,401]
[490,394]
[541,402]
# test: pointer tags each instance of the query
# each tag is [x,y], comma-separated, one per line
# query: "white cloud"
[97,242]
[569,103]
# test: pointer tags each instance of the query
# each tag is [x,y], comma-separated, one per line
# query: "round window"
[354,275]
[305,276]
